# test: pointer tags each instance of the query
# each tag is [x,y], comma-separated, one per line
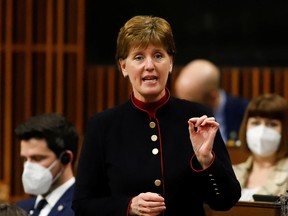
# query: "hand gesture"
[202,132]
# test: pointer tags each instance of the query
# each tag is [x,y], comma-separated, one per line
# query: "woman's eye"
[138,57]
[273,124]
[254,123]
[158,56]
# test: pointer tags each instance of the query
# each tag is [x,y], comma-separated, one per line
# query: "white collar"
[57,193]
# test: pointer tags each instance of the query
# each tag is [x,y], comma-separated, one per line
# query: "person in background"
[199,81]
[263,133]
[155,154]
[49,145]
[7,209]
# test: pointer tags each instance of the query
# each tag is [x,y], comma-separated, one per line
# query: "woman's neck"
[264,163]
[151,107]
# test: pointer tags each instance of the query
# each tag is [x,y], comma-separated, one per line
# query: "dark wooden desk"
[248,209]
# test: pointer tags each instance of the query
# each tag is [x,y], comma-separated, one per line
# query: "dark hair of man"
[60,134]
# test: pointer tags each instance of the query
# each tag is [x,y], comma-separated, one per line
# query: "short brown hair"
[142,31]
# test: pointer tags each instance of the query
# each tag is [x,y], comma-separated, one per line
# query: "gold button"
[157,182]
[152,124]
[154,138]
[155,151]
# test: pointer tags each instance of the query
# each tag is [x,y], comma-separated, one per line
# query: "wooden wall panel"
[42,67]
[285,82]
[106,87]
[7,95]
[3,187]
[246,82]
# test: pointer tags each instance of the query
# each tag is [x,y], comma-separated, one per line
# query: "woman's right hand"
[147,204]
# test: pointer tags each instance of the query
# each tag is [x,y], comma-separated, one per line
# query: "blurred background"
[58,56]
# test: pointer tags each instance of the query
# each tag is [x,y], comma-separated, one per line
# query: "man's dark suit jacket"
[61,208]
[234,110]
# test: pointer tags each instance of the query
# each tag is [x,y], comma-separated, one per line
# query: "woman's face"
[263,137]
[148,70]
[271,123]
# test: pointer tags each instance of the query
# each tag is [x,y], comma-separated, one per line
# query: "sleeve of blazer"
[220,188]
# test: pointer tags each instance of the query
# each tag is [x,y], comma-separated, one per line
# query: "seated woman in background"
[264,133]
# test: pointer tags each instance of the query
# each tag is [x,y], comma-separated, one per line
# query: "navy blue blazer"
[61,208]
[234,110]
[127,152]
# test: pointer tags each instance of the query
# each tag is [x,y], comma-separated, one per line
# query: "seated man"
[49,145]
[199,81]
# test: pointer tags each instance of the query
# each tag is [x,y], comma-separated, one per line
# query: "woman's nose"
[149,64]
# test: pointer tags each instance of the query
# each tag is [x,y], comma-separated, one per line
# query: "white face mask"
[262,140]
[37,179]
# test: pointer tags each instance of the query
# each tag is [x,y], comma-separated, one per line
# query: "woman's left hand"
[202,132]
